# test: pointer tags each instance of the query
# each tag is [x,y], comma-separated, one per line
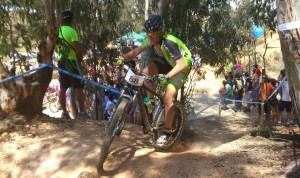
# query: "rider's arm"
[132,54]
[177,56]
[180,66]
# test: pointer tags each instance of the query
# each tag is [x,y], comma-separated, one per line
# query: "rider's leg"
[170,94]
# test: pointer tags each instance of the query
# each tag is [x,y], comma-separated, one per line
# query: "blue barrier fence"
[109,89]
[41,66]
[20,75]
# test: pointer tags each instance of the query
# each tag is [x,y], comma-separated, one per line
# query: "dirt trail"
[211,146]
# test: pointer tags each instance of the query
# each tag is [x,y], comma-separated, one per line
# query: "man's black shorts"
[285,105]
[67,81]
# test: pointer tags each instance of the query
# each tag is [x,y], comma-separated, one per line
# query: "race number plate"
[134,79]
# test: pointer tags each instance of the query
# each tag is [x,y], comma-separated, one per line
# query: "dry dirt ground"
[214,144]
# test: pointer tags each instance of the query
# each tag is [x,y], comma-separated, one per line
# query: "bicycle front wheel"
[118,116]
[177,127]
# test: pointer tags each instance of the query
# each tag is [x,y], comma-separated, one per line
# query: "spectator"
[229,79]
[229,69]
[109,107]
[255,86]
[135,116]
[237,69]
[267,89]
[225,92]
[257,71]
[105,99]
[248,91]
[70,56]
[237,92]
[273,101]
[285,102]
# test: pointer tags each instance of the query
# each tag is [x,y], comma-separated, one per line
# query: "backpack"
[239,85]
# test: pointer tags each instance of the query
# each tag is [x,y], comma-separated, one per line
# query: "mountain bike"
[134,93]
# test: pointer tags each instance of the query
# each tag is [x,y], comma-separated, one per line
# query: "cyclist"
[172,61]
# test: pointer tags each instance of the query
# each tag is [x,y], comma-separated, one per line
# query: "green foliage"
[264,13]
[211,28]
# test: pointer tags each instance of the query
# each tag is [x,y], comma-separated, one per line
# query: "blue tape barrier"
[109,89]
[244,101]
[20,75]
[262,103]
[43,65]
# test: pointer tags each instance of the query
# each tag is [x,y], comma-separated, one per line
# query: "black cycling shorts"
[163,67]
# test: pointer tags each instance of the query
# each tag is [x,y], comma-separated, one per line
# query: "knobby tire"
[121,110]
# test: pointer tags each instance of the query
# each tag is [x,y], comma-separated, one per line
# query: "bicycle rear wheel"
[119,115]
[177,127]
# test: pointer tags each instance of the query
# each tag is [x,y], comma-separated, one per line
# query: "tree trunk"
[163,6]
[288,11]
[25,94]
[146,9]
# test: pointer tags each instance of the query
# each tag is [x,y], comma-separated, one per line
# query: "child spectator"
[225,92]
[109,107]
[105,99]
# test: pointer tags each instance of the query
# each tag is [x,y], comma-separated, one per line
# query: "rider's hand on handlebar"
[162,79]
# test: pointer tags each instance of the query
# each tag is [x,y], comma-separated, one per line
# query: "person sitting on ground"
[225,92]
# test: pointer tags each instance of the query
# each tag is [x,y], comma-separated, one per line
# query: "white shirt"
[109,107]
[285,92]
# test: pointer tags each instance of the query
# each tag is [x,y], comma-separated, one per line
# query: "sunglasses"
[152,35]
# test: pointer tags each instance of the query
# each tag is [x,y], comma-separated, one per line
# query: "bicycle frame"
[134,93]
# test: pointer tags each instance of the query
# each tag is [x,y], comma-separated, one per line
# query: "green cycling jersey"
[168,55]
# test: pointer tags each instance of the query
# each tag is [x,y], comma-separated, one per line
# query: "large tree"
[98,25]
[288,17]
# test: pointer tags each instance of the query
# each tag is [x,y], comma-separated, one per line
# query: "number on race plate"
[134,79]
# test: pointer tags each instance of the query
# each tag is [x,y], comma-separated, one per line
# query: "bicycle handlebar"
[149,78]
